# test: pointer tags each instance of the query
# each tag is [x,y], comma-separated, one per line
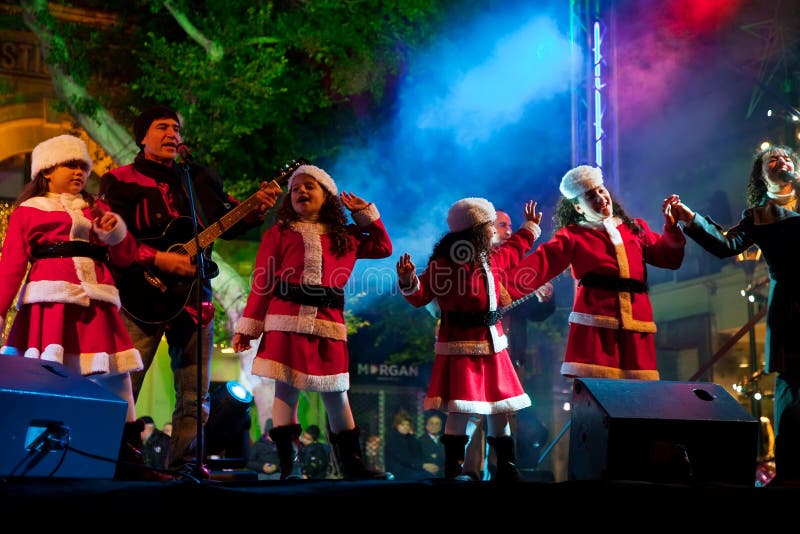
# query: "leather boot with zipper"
[286,439]
[347,447]
[454,449]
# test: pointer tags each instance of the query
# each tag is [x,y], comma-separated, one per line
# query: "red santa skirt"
[484,384]
[307,362]
[609,353]
[86,339]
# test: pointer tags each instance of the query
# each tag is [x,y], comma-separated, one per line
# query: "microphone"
[788,176]
[185,153]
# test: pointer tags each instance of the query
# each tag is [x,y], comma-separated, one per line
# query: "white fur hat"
[469,212]
[319,175]
[56,150]
[579,180]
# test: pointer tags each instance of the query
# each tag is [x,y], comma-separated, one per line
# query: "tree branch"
[213,49]
[99,124]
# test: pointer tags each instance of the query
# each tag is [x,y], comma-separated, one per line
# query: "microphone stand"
[199,276]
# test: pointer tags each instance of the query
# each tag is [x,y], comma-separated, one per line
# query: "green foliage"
[258,83]
[396,329]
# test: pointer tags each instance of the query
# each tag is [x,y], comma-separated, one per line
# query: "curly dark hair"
[566,214]
[331,214]
[472,245]
[38,186]
[756,193]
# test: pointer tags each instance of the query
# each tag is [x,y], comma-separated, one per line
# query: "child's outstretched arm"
[374,242]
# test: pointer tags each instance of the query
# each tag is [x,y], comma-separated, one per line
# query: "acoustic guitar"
[152,296]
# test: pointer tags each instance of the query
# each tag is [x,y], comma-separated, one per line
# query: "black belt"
[471,319]
[310,295]
[69,249]
[613,283]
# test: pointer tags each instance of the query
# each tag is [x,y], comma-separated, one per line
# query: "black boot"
[506,459]
[454,447]
[348,452]
[130,461]
[286,441]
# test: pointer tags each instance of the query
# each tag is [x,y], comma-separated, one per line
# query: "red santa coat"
[68,307]
[306,346]
[472,371]
[611,331]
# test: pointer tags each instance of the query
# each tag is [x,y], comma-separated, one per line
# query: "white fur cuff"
[534,228]
[250,327]
[115,236]
[415,286]
[366,216]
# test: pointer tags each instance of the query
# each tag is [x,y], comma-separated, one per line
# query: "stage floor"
[624,505]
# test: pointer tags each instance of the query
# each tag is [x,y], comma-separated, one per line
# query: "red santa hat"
[579,180]
[319,175]
[469,212]
[57,150]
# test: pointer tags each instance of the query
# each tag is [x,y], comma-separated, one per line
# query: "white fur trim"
[367,215]
[67,292]
[278,371]
[490,288]
[469,212]
[610,224]
[480,407]
[599,321]
[415,286]
[579,180]
[86,363]
[305,324]
[250,327]
[319,175]
[59,149]
[125,361]
[535,229]
[115,236]
[312,250]
[602,371]
[51,353]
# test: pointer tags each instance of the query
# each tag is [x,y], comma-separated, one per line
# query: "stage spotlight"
[227,432]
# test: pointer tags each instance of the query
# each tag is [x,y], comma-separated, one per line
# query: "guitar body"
[152,296]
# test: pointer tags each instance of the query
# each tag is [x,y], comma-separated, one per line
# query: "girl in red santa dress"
[297,302]
[472,371]
[68,308]
[611,324]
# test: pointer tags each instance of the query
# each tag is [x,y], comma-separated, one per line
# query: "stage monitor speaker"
[660,431]
[47,413]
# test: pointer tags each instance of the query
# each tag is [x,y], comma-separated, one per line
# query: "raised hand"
[675,210]
[530,213]
[406,270]
[352,202]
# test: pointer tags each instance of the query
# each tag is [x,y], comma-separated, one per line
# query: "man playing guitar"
[159,293]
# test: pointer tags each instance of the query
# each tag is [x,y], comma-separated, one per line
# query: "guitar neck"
[207,236]
[519,301]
